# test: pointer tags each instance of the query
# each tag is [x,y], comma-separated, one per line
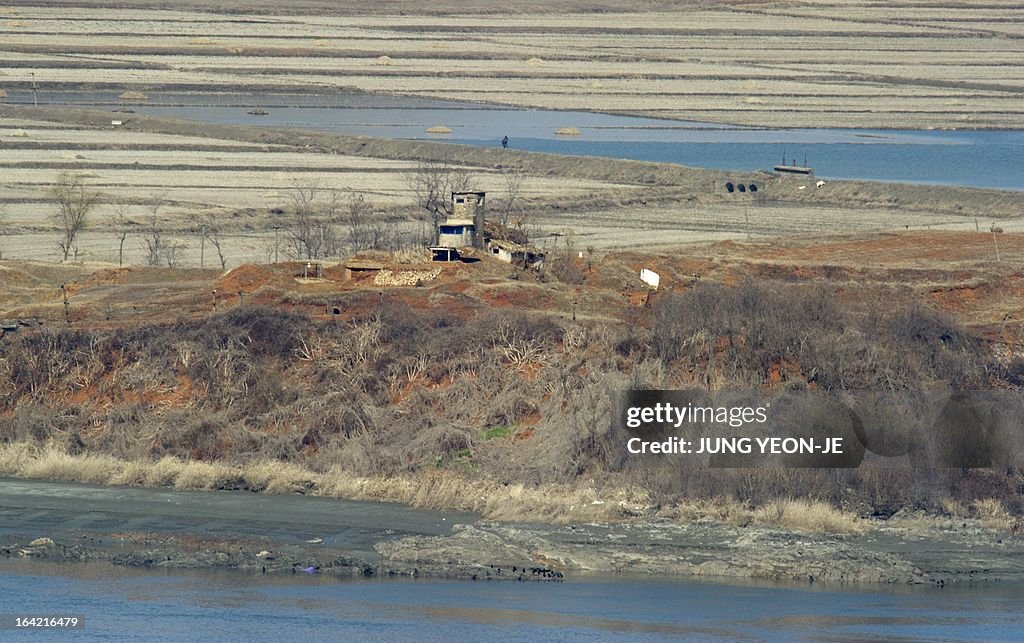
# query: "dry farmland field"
[179,176]
[818,63]
[823,63]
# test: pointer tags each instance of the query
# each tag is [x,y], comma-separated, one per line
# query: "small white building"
[515,254]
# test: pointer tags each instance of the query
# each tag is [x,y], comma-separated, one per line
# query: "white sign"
[650,278]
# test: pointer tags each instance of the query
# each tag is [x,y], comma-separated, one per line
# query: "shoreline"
[464,103]
[906,549]
[935,198]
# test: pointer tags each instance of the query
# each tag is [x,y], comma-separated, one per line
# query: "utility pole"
[277,243]
[995,241]
[67,304]
[202,247]
[35,98]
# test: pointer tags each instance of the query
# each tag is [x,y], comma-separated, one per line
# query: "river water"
[175,605]
[970,158]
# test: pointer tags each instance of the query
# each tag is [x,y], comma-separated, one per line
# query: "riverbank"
[159,528]
[647,182]
[170,174]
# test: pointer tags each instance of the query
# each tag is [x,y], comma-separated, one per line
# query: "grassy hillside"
[444,398]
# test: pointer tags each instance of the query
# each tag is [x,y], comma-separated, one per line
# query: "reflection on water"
[229,606]
[971,158]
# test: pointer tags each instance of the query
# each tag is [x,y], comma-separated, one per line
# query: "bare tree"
[121,226]
[212,234]
[3,226]
[513,188]
[156,244]
[312,232]
[160,249]
[74,202]
[433,183]
[358,220]
[302,233]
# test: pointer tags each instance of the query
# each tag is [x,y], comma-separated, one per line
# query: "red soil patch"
[903,247]
[531,420]
[523,435]
[638,297]
[957,299]
[783,370]
[517,296]
[531,371]
[247,277]
[173,397]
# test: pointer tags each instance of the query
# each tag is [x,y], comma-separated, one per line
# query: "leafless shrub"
[312,233]
[511,212]
[566,270]
[160,249]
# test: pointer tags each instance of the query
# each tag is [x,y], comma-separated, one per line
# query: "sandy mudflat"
[824,63]
[274,534]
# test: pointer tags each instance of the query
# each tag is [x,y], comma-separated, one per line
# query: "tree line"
[316,222]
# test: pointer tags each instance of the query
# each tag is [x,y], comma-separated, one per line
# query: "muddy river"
[949,157]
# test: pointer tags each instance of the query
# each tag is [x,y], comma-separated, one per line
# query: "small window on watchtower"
[335,311]
[742,188]
[753,187]
[729,187]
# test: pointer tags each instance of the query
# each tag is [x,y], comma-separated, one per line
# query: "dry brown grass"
[52,464]
[492,499]
[808,515]
[436,489]
[271,476]
[15,457]
[992,514]
[989,512]
[798,515]
[723,509]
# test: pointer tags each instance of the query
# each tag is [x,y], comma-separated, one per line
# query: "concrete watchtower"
[470,205]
